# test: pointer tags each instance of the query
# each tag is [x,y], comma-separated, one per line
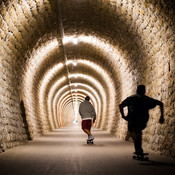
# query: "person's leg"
[137,138]
[86,127]
[139,142]
[87,132]
[128,135]
[89,125]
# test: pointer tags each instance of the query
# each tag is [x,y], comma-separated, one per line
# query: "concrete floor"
[65,152]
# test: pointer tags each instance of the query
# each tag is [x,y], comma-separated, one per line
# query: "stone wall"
[21,25]
[12,127]
[132,42]
[155,38]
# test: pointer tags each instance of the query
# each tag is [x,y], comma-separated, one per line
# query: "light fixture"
[75,63]
[75,41]
[67,62]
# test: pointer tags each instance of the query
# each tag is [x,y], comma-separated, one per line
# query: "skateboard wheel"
[146,158]
[90,142]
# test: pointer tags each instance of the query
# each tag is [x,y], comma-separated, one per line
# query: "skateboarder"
[138,114]
[88,115]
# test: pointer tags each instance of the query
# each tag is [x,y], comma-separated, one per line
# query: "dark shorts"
[86,124]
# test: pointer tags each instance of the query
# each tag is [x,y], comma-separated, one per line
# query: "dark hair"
[87,98]
[141,89]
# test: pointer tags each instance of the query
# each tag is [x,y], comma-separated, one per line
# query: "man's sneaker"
[90,137]
[140,153]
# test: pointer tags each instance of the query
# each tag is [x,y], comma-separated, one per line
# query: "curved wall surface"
[53,53]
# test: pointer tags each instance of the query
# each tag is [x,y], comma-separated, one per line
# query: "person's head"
[87,98]
[141,90]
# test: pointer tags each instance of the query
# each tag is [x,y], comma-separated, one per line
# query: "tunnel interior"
[53,53]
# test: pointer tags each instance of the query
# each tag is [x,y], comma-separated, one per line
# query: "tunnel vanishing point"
[55,52]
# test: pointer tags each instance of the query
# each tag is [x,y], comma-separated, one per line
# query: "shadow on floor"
[157,163]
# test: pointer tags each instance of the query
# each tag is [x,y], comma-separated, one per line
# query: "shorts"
[86,124]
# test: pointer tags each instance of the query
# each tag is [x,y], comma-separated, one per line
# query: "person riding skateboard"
[138,115]
[88,115]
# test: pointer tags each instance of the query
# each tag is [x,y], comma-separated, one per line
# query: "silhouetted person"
[138,114]
[88,115]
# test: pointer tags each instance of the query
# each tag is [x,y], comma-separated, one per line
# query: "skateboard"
[90,142]
[143,156]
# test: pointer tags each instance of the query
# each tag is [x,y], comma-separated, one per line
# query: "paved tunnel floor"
[65,152]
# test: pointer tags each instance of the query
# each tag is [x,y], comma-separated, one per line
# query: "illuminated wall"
[54,53]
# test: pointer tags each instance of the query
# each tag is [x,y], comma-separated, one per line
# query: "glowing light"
[68,62]
[71,62]
[75,121]
[75,41]
[75,64]
[75,76]
[66,40]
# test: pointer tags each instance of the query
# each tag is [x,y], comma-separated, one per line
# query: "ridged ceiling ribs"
[104,47]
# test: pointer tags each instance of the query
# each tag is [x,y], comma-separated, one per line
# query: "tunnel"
[54,53]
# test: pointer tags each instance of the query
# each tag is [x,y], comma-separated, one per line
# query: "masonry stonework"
[132,42]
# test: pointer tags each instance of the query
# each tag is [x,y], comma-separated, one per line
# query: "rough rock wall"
[137,46]
[21,25]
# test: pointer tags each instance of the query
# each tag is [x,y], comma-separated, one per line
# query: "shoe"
[138,153]
[90,137]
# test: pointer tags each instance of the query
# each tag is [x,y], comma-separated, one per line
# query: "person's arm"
[121,107]
[153,103]
[94,114]
[160,104]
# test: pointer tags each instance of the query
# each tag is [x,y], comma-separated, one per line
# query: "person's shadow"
[23,114]
[157,163]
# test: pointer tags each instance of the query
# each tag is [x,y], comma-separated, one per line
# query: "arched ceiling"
[94,44]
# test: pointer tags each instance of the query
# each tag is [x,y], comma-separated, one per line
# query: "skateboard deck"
[143,156]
